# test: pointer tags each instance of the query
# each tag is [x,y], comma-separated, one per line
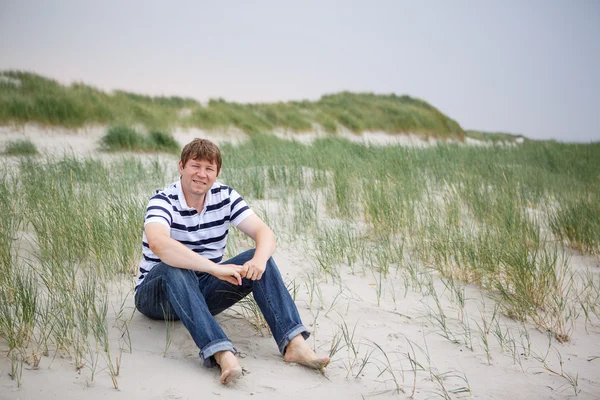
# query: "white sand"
[393,325]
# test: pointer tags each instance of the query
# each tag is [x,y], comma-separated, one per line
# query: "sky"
[524,67]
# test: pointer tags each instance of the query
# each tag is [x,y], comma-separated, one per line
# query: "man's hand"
[229,272]
[253,269]
[265,246]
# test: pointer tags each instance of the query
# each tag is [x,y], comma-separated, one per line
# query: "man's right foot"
[230,366]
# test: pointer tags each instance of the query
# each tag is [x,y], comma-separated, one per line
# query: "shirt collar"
[181,196]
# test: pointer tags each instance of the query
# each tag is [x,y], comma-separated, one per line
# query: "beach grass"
[577,222]
[32,98]
[124,138]
[23,147]
[494,137]
[496,217]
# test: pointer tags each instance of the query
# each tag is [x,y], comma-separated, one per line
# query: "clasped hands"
[252,269]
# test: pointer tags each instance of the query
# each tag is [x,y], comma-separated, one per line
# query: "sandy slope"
[399,325]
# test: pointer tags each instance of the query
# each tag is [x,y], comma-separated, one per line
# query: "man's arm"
[175,254]
[264,237]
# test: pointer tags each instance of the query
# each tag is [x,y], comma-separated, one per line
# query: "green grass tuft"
[162,141]
[123,138]
[577,221]
[494,137]
[22,147]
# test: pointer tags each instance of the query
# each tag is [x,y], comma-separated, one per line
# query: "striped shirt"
[204,233]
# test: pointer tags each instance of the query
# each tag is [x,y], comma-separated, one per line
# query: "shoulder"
[167,194]
[220,189]
[220,192]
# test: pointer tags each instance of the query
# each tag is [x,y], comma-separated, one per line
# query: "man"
[181,274]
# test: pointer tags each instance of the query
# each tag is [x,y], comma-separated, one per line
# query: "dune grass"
[124,138]
[494,137]
[479,215]
[495,217]
[47,102]
[163,141]
[24,147]
[85,222]
[577,222]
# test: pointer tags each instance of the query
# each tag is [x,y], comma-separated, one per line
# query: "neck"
[194,201]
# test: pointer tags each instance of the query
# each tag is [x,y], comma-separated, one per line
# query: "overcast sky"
[529,67]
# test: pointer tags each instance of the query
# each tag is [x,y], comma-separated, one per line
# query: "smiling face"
[197,177]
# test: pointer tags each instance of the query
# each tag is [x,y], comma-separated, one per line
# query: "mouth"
[198,182]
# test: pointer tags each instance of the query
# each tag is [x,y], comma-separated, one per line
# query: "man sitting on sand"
[182,276]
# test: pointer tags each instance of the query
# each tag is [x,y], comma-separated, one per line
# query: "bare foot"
[298,351]
[230,366]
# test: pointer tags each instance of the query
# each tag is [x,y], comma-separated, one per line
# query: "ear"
[180,168]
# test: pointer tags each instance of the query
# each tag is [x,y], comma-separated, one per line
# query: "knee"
[271,267]
[248,254]
[178,276]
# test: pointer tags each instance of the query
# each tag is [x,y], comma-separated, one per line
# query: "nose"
[202,172]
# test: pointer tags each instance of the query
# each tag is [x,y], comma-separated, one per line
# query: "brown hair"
[201,149]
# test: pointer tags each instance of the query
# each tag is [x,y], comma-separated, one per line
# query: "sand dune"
[399,349]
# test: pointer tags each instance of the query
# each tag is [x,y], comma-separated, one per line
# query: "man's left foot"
[230,375]
[298,351]
[230,366]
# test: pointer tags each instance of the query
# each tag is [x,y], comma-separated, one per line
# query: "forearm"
[177,255]
[265,245]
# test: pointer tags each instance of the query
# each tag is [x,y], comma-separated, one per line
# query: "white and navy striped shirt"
[204,233]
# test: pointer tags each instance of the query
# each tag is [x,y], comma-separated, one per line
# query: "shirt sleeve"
[159,210]
[239,209]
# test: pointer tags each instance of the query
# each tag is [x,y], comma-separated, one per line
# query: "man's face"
[197,176]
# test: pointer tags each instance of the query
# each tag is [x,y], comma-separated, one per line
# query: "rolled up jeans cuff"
[208,352]
[292,333]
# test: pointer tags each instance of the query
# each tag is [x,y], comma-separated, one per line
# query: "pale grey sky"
[529,67]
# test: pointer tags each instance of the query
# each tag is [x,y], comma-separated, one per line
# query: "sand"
[398,325]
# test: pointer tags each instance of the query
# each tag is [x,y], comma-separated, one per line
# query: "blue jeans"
[181,294]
